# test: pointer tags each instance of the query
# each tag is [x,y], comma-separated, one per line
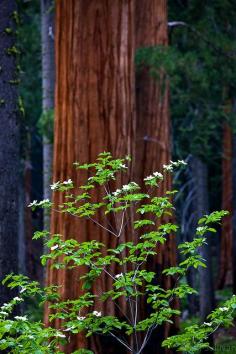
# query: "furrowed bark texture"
[201,207]
[94,112]
[9,149]
[28,226]
[189,234]
[227,195]
[153,130]
[48,80]
[234,209]
[153,121]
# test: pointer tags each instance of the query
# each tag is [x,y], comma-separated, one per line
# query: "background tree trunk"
[188,225]
[225,277]
[153,147]
[9,147]
[28,225]
[201,207]
[94,112]
[234,206]
[22,243]
[48,80]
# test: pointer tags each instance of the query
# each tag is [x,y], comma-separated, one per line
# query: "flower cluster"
[119,275]
[153,179]
[62,185]
[170,167]
[46,204]
[21,318]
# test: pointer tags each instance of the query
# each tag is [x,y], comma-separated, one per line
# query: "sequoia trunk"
[94,112]
[153,127]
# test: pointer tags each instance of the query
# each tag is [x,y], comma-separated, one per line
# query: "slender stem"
[135,318]
[122,222]
[123,313]
[102,226]
[93,220]
[108,192]
[121,341]
[150,329]
[109,274]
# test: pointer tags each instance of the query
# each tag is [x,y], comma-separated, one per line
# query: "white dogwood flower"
[21,318]
[158,175]
[209,324]
[34,203]
[119,275]
[148,178]
[55,185]
[69,181]
[80,318]
[223,309]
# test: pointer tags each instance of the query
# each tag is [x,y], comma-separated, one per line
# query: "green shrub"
[134,282]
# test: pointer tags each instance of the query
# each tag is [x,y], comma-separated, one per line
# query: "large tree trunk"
[28,225]
[234,207]
[225,277]
[48,79]
[188,225]
[21,228]
[153,130]
[201,207]
[9,147]
[94,112]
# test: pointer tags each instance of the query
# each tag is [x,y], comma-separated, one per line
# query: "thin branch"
[145,340]
[121,341]
[102,226]
[122,222]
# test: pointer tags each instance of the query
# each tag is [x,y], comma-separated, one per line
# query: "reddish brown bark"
[153,120]
[227,226]
[153,123]
[94,111]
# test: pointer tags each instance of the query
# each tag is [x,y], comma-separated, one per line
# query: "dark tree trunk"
[9,146]
[192,281]
[48,79]
[21,228]
[225,276]
[190,227]
[201,207]
[234,207]
[30,266]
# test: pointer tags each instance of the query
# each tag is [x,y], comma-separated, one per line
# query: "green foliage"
[194,338]
[125,266]
[199,65]
[13,51]
[20,335]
